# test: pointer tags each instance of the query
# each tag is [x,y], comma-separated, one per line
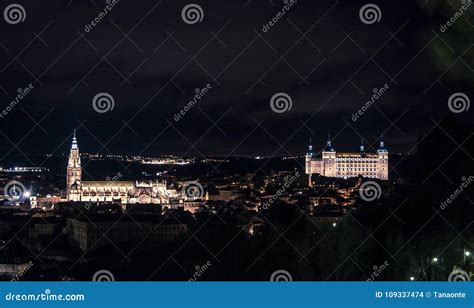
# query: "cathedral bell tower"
[74,172]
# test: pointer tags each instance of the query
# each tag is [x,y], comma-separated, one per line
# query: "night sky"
[151,62]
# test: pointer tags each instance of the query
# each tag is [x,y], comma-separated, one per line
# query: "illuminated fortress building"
[347,165]
[112,191]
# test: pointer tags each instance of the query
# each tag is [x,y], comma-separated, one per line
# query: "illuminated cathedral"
[124,192]
[347,165]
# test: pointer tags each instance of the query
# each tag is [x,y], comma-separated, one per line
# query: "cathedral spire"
[74,156]
[74,141]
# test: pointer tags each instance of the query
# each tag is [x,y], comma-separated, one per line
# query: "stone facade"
[124,192]
[347,165]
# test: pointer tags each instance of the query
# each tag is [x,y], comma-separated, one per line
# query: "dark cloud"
[330,73]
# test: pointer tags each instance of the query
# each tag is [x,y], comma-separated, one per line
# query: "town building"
[125,192]
[99,230]
[347,165]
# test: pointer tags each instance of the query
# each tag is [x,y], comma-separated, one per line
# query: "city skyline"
[351,147]
[236,140]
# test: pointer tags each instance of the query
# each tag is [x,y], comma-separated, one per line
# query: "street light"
[412,278]
[435,260]
[467,253]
